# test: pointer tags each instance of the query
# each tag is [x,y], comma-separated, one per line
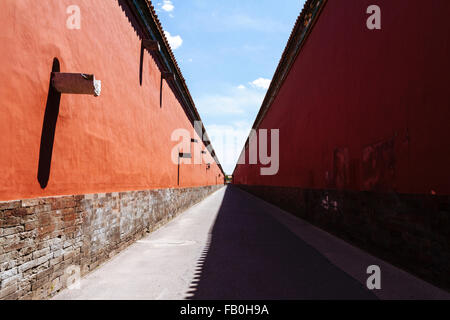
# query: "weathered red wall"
[116,142]
[354,91]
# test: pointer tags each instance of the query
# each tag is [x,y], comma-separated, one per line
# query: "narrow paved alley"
[234,150]
[233,245]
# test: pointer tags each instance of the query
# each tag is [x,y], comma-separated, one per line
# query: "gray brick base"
[42,239]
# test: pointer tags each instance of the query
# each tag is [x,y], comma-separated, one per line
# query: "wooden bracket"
[76,83]
[168,76]
[151,45]
[185,155]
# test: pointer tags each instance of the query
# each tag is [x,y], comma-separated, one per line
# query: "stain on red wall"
[116,142]
[380,94]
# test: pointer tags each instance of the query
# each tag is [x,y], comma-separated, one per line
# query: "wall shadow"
[48,130]
[141,63]
[178,174]
[251,256]
[160,92]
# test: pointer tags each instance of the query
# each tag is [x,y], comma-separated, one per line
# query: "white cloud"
[174,41]
[261,83]
[228,141]
[242,87]
[168,6]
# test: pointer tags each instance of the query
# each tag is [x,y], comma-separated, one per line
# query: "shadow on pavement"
[252,256]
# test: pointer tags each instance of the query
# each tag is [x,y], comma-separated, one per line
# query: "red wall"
[116,142]
[377,100]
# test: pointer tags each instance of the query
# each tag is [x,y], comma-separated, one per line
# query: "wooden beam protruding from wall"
[151,45]
[76,83]
[185,155]
[168,76]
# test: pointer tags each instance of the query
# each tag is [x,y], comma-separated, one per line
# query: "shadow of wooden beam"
[48,130]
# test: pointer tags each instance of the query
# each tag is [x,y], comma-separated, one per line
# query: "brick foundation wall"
[41,238]
[410,231]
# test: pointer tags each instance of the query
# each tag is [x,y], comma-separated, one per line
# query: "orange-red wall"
[351,88]
[116,142]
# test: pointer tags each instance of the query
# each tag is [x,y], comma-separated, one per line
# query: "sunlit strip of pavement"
[160,266]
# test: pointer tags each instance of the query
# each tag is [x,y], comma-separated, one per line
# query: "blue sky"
[228,52]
